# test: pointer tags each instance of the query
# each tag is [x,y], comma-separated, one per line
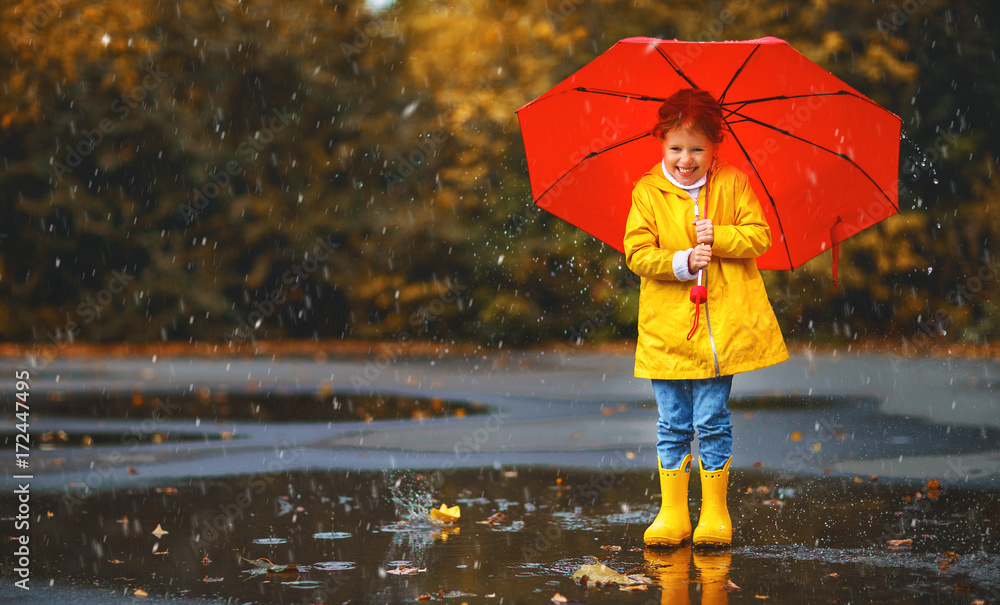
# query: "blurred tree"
[244,170]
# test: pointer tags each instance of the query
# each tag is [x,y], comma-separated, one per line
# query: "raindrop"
[331,535]
[335,565]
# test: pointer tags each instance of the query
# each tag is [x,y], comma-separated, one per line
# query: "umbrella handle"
[699,294]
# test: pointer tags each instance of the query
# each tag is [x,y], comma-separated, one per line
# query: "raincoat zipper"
[708,321]
[711,340]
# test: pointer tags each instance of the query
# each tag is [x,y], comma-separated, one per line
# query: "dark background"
[236,171]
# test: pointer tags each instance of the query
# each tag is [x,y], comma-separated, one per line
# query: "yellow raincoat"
[737,331]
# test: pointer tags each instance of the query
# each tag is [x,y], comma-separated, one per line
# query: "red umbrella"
[822,158]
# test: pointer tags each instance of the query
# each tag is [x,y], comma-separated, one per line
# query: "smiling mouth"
[686,171]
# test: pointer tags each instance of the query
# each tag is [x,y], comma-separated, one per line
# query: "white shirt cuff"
[681,265]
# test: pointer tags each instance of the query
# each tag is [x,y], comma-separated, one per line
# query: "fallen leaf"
[933,484]
[873,478]
[494,519]
[774,503]
[131,469]
[899,543]
[205,560]
[558,598]
[208,579]
[161,552]
[634,587]
[405,570]
[834,575]
[159,532]
[795,436]
[730,585]
[599,573]
[425,597]
[140,593]
[758,464]
[264,564]
[446,514]
[761,596]
[612,548]
[859,480]
[116,561]
[816,447]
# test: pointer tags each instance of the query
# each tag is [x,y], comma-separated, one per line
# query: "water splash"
[413,496]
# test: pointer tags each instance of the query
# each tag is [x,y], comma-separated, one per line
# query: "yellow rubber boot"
[671,570]
[713,572]
[715,528]
[672,524]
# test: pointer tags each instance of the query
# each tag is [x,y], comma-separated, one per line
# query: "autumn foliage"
[237,171]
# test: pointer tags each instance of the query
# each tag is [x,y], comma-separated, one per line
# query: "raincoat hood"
[739,331]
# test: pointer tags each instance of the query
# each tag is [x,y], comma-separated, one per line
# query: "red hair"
[693,108]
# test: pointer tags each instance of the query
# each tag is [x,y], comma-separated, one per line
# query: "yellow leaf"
[446,514]
[159,531]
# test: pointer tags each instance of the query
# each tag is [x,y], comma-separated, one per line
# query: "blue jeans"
[688,404]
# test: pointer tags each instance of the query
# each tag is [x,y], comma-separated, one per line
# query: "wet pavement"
[856,480]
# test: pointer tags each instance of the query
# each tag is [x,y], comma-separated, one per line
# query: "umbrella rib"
[744,103]
[777,216]
[613,93]
[736,74]
[670,62]
[587,157]
[818,146]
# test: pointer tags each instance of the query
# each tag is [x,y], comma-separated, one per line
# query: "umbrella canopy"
[822,158]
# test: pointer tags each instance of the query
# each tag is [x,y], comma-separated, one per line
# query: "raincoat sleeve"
[749,236]
[642,252]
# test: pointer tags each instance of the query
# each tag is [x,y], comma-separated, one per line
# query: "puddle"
[58,440]
[522,534]
[271,407]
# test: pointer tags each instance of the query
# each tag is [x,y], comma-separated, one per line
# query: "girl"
[693,212]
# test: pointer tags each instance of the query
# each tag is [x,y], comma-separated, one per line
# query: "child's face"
[687,154]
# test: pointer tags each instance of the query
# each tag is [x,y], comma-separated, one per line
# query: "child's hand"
[704,232]
[699,257]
